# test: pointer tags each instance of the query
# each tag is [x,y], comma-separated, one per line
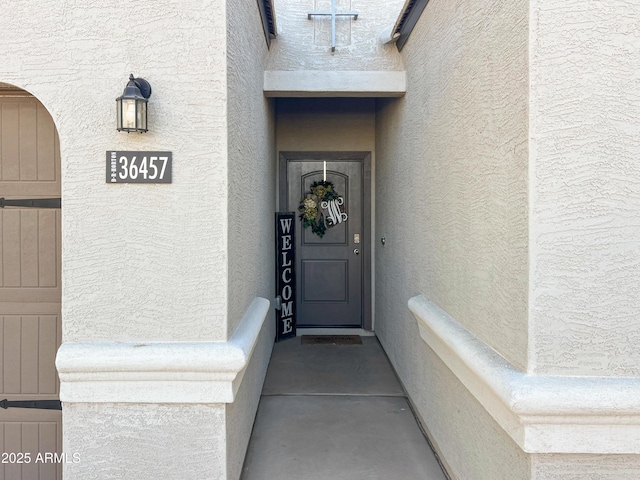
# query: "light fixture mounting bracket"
[143,85]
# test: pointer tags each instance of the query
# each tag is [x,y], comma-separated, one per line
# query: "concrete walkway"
[336,412]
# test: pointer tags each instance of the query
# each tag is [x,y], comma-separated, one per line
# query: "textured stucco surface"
[585,467]
[251,206]
[139,260]
[304,44]
[133,442]
[240,414]
[472,445]
[585,184]
[451,189]
[452,172]
[334,124]
[251,163]
[151,262]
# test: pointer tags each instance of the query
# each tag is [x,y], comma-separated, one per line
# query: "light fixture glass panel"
[142,116]
[119,113]
[129,113]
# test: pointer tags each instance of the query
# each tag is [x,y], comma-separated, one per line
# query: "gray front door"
[333,270]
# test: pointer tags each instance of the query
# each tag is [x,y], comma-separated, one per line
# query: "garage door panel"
[49,339]
[10,130]
[30,444]
[29,346]
[29,355]
[11,355]
[17,190]
[29,246]
[29,144]
[28,148]
[42,437]
[47,142]
[10,248]
[48,247]
[30,287]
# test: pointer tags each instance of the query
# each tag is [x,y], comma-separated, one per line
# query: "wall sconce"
[132,106]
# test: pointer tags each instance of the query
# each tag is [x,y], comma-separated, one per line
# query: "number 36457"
[139,167]
[151,168]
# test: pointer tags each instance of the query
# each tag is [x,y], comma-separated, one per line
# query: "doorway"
[333,281]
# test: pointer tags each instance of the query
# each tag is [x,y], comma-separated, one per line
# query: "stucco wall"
[452,175]
[585,179]
[138,259]
[251,163]
[585,467]
[240,414]
[150,262]
[470,443]
[451,189]
[251,207]
[132,442]
[304,44]
[326,124]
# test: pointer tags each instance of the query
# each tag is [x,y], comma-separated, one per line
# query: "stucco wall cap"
[542,413]
[109,371]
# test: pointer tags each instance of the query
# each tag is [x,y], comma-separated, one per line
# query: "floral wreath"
[310,204]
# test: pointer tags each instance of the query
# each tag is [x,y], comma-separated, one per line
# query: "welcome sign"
[285,275]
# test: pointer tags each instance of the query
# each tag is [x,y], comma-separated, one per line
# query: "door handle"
[356,251]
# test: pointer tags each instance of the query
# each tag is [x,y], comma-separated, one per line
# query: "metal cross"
[333,14]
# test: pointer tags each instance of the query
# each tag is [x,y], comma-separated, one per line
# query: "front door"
[30,292]
[333,281]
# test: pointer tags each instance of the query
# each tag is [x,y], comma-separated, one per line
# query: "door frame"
[336,156]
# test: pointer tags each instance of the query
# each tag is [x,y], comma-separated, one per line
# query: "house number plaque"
[139,167]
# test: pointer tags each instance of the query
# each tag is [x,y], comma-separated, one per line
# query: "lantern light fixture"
[132,106]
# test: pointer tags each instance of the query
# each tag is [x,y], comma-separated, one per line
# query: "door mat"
[331,340]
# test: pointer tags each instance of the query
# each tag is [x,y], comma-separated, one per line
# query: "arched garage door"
[30,322]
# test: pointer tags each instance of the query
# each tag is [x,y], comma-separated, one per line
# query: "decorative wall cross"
[333,13]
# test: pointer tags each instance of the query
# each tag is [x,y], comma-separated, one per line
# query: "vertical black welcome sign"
[285,275]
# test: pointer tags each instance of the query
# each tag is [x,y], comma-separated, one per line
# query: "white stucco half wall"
[542,413]
[160,372]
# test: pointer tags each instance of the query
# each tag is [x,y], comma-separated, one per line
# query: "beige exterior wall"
[304,44]
[135,441]
[129,272]
[585,261]
[519,136]
[327,124]
[451,183]
[250,210]
[251,163]
[152,263]
[585,467]
[452,173]
[469,441]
